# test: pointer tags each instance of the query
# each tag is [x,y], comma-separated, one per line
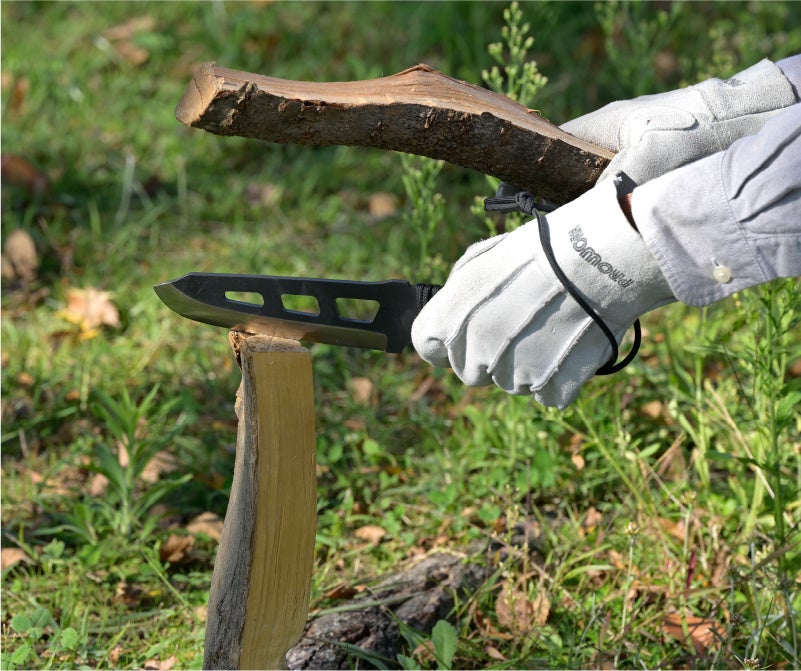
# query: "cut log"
[419,596]
[259,597]
[417,111]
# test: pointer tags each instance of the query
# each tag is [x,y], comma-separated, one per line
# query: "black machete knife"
[216,298]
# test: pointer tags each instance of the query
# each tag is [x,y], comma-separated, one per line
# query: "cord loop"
[510,199]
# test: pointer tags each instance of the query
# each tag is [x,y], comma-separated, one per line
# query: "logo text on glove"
[594,258]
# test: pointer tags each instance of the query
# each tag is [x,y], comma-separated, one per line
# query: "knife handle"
[425,292]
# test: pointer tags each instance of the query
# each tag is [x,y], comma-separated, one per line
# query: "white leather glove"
[504,317]
[655,134]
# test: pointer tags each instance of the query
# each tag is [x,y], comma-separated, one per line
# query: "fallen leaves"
[382,204]
[703,633]
[162,463]
[592,520]
[12,556]
[89,309]
[208,524]
[19,171]
[124,38]
[15,91]
[344,591]
[362,390]
[176,549]
[161,664]
[653,409]
[521,610]
[20,262]
[371,533]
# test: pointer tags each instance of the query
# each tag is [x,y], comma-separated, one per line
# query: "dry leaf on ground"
[161,463]
[494,653]
[370,533]
[98,485]
[161,664]
[703,633]
[362,390]
[25,379]
[206,523]
[11,556]
[123,38]
[343,591]
[424,652]
[90,309]
[652,409]
[15,91]
[19,170]
[176,548]
[114,655]
[592,520]
[20,260]
[517,612]
[382,204]
[675,528]
[201,613]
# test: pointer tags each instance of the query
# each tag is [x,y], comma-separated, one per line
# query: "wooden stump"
[259,597]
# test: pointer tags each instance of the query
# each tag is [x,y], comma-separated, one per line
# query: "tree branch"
[417,111]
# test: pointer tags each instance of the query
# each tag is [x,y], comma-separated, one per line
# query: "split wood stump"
[259,597]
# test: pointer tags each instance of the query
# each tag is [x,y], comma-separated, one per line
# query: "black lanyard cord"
[524,202]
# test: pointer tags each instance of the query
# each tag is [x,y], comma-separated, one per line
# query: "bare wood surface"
[259,596]
[417,111]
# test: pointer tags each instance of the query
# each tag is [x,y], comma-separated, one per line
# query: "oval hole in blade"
[357,309]
[249,297]
[306,305]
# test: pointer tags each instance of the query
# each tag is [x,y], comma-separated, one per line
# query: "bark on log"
[417,111]
[418,596]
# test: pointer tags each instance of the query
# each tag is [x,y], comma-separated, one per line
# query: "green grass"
[668,496]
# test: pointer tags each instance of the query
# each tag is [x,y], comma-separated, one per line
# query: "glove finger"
[472,281]
[538,349]
[589,351]
[601,126]
[494,325]
[655,140]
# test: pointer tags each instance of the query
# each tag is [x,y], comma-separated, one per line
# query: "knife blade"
[215,298]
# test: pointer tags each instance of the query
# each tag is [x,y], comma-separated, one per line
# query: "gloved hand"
[655,134]
[504,317]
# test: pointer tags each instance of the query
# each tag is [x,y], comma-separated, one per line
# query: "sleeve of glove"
[503,316]
[729,221]
[657,133]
